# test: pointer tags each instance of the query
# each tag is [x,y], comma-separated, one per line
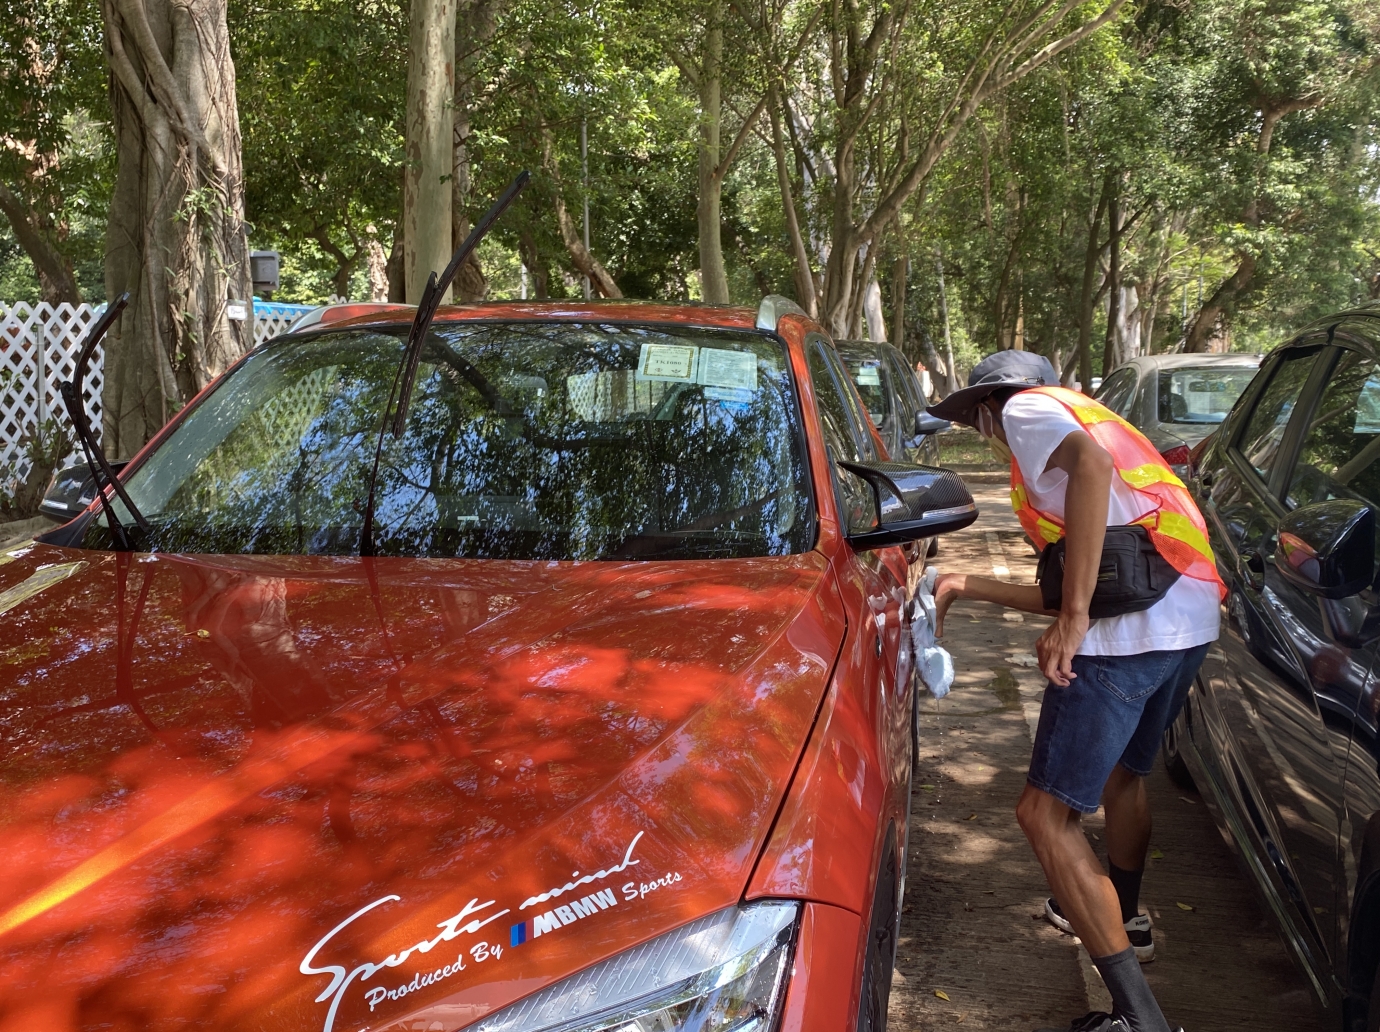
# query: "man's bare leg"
[1079,883]
[1128,819]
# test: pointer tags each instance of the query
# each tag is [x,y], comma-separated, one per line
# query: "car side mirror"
[912,502]
[71,491]
[926,424]
[1328,549]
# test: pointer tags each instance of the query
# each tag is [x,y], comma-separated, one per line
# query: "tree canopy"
[1091,180]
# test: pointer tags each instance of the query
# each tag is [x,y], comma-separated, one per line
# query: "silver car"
[1177,400]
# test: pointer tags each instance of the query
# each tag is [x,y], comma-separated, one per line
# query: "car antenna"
[96,461]
[406,376]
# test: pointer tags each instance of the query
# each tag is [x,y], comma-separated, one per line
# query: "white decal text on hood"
[341,978]
[628,861]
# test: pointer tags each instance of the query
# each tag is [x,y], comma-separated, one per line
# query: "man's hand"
[948,588]
[1056,648]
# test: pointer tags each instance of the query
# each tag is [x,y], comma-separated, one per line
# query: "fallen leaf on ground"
[927,788]
[1155,854]
[1183,906]
[1190,802]
[941,994]
[971,817]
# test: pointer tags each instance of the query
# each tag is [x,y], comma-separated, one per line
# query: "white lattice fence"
[38,348]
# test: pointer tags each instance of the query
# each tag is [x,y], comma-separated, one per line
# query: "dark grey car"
[891,391]
[1177,400]
[1280,730]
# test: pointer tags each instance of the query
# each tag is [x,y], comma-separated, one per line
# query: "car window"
[854,497]
[911,402]
[874,384]
[1198,394]
[1264,431]
[1340,453]
[548,441]
[1117,391]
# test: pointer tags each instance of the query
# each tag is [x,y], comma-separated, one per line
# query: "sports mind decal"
[460,944]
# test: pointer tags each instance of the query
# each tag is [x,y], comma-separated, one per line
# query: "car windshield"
[522,441]
[1200,394]
[870,377]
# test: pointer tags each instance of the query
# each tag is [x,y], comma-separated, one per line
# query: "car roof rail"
[773,307]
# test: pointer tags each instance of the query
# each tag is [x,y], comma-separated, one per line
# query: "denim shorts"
[1115,711]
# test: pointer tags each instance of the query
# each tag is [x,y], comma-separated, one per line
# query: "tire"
[881,944]
[1174,764]
[933,549]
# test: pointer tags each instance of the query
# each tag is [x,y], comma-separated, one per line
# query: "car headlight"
[723,972]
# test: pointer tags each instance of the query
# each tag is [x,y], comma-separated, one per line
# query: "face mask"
[986,426]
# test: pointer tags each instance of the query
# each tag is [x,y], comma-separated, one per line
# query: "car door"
[1257,680]
[874,583]
[1339,457]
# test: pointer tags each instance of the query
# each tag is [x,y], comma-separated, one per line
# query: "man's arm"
[949,587]
[1090,470]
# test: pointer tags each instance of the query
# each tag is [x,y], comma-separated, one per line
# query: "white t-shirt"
[1188,615]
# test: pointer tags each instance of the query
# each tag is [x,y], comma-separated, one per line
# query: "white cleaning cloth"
[934,663]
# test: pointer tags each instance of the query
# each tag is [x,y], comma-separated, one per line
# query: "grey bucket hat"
[1004,369]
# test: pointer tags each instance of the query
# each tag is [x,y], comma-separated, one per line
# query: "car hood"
[268,792]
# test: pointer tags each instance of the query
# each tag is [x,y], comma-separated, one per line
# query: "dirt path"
[972,926]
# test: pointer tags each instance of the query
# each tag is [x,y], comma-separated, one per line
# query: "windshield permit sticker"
[43,578]
[869,376]
[732,394]
[668,362]
[720,367]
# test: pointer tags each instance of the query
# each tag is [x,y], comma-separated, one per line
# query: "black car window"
[1117,391]
[855,499]
[548,441]
[1340,454]
[1269,417]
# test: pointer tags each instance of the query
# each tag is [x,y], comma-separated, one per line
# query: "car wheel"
[933,550]
[881,944]
[1174,763]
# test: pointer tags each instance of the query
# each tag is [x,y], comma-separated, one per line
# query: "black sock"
[1127,885]
[1135,1003]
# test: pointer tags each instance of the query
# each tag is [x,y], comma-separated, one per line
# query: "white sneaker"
[1137,930]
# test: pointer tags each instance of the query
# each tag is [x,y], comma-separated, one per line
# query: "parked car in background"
[1280,729]
[1177,400]
[575,693]
[895,400]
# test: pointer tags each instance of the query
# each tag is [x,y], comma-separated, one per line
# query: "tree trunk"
[899,268]
[804,275]
[585,262]
[1220,305]
[536,265]
[1109,356]
[477,23]
[397,282]
[712,273]
[430,131]
[1085,296]
[950,374]
[176,238]
[56,280]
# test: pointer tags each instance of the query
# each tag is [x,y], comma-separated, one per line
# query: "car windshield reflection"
[550,441]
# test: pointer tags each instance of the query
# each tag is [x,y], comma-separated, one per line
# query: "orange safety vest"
[1175,525]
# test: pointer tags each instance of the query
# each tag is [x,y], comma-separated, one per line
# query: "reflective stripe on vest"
[1175,525]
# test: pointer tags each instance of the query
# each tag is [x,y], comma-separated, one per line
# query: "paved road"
[972,927]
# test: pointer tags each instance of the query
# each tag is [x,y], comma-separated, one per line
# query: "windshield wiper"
[395,418]
[96,461]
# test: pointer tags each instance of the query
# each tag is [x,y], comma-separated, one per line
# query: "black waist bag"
[1131,577]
